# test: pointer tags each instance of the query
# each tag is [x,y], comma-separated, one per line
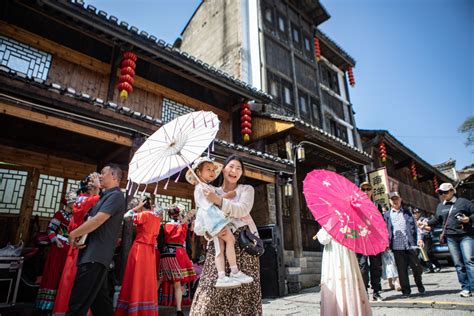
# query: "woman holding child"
[246,299]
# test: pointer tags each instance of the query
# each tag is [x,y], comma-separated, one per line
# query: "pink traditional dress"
[175,265]
[80,209]
[139,293]
[57,230]
[342,287]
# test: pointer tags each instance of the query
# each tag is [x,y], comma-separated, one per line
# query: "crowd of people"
[78,281]
[410,247]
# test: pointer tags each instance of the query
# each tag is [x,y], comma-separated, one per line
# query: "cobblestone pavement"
[441,298]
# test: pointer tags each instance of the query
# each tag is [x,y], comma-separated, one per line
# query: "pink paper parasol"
[345,212]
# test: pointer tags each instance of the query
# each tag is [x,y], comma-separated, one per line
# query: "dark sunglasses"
[443,192]
[366,190]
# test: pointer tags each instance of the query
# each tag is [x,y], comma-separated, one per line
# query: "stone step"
[309,280]
[311,270]
[290,253]
[304,262]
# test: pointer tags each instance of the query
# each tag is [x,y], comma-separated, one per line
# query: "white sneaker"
[241,277]
[465,293]
[227,283]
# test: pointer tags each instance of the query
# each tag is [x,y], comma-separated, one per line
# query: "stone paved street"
[441,298]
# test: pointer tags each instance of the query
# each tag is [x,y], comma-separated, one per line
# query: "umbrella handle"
[190,169]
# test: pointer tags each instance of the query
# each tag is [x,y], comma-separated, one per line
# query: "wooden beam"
[263,127]
[258,175]
[27,204]
[15,111]
[102,67]
[54,48]
[403,163]
[174,95]
[45,163]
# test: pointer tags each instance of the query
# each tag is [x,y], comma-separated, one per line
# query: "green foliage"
[468,128]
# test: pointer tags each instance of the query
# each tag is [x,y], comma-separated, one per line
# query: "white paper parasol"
[173,147]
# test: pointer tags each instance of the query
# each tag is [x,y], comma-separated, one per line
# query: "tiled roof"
[410,153]
[77,95]
[322,36]
[318,130]
[175,55]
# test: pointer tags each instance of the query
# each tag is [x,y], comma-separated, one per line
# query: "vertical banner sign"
[379,181]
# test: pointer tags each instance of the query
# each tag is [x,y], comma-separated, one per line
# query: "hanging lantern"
[413,170]
[245,121]
[317,49]
[288,189]
[351,76]
[127,74]
[382,151]
[435,183]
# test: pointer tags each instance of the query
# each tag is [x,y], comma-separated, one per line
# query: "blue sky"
[415,63]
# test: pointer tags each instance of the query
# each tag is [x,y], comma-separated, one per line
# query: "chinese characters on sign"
[379,181]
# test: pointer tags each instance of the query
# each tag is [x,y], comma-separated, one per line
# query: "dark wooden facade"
[62,117]
[419,193]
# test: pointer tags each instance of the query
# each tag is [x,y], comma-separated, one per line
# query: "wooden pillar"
[295,218]
[27,205]
[127,230]
[279,208]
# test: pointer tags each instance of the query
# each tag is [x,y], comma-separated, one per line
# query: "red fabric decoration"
[246,121]
[317,48]
[383,151]
[351,76]
[127,74]
[413,170]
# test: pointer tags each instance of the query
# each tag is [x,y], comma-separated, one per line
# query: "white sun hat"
[190,176]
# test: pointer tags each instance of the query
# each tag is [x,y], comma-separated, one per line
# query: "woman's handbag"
[250,243]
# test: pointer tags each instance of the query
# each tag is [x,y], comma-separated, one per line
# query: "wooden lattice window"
[72,185]
[48,195]
[12,188]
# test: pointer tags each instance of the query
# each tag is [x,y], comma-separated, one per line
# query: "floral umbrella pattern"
[346,213]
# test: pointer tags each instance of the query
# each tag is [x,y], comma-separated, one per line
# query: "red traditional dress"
[80,209]
[139,293]
[57,229]
[175,265]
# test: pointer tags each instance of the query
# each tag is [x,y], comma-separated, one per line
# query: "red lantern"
[127,71]
[317,48]
[246,121]
[383,151]
[127,74]
[128,63]
[246,124]
[435,183]
[413,170]
[127,78]
[351,76]
[245,112]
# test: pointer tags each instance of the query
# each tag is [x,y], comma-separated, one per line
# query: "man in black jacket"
[456,216]
[371,264]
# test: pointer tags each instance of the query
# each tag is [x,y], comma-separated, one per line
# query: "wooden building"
[275,45]
[62,116]
[410,175]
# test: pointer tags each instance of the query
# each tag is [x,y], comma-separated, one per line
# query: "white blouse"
[238,208]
